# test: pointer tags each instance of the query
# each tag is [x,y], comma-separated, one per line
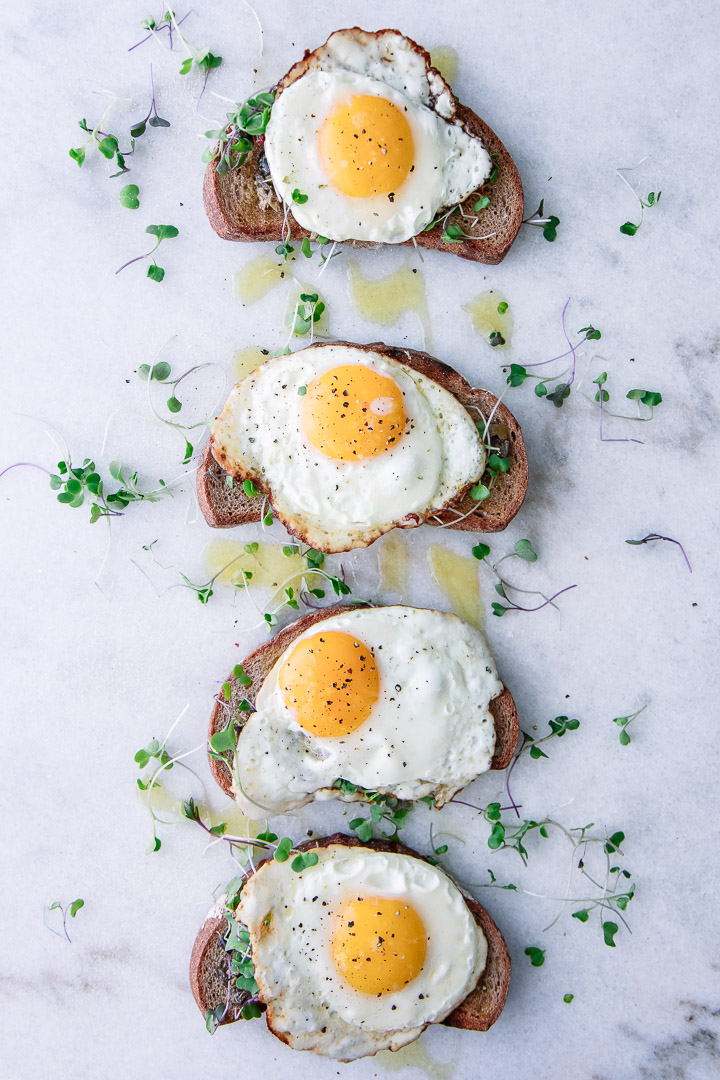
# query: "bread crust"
[225,508]
[260,662]
[241,204]
[479,1010]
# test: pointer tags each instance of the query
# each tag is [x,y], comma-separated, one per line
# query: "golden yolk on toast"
[378,944]
[330,683]
[366,146]
[353,412]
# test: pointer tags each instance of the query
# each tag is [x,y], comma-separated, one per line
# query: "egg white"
[448,163]
[335,505]
[430,732]
[290,918]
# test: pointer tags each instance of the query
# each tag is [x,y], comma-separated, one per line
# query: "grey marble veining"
[90,674]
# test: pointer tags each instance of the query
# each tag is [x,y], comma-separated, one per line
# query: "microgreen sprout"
[160,232]
[656,536]
[519,373]
[75,485]
[108,146]
[166,23]
[160,372]
[152,118]
[523,550]
[454,232]
[567,998]
[548,224]
[630,228]
[624,722]
[308,310]
[650,398]
[202,59]
[65,910]
[613,891]
[537,956]
[233,143]
[320,244]
[385,810]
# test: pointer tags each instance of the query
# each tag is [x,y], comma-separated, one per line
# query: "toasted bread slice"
[260,662]
[478,1012]
[242,205]
[225,505]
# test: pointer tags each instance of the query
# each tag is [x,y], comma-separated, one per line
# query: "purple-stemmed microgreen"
[65,910]
[630,228]
[548,223]
[519,372]
[204,60]
[155,29]
[656,536]
[523,550]
[152,118]
[624,722]
[160,232]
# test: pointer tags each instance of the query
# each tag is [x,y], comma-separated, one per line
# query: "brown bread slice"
[242,205]
[259,663]
[225,507]
[478,1012]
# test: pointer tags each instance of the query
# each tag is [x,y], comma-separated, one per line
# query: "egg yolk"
[353,412]
[330,683]
[378,944]
[366,146]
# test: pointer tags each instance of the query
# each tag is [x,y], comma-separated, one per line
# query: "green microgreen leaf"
[481,551]
[129,196]
[610,929]
[524,549]
[537,956]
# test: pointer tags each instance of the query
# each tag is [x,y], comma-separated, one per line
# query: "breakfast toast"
[242,204]
[259,663]
[225,505]
[478,1012]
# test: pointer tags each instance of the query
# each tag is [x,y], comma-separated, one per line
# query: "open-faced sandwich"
[348,441]
[350,948]
[348,702]
[364,141]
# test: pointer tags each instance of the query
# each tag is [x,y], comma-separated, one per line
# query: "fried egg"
[348,443]
[391,699]
[361,951]
[365,132]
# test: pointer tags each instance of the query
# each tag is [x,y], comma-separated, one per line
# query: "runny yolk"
[366,146]
[378,944]
[330,683]
[353,412]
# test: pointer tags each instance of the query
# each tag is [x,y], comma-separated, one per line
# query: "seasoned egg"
[367,136]
[361,951]
[392,699]
[348,443]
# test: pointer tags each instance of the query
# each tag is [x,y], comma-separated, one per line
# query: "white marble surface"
[89,675]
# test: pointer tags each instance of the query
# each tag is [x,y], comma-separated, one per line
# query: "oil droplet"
[257,278]
[457,576]
[415,1055]
[246,360]
[445,59]
[384,300]
[269,566]
[485,318]
[167,804]
[394,562]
